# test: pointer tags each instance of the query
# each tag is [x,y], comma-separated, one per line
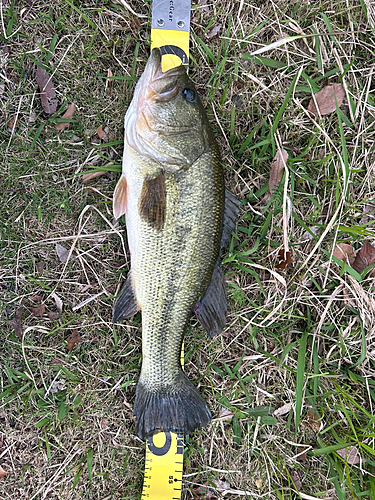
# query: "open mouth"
[163,86]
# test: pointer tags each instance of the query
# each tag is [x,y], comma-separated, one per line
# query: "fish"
[178,218]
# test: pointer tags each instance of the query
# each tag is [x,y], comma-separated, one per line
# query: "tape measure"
[170,28]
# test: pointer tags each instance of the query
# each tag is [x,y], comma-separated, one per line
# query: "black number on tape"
[175,51]
[164,449]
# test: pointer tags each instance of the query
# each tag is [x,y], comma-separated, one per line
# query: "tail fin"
[179,408]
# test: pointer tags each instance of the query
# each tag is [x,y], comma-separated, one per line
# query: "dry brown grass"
[44,202]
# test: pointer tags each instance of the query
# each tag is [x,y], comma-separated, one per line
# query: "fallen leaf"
[236,101]
[93,175]
[283,410]
[108,82]
[221,485]
[368,215]
[277,169]
[56,361]
[39,311]
[295,478]
[325,99]
[58,302]
[36,298]
[284,259]
[215,30]
[3,472]
[203,5]
[259,483]
[47,91]
[12,123]
[40,266]
[225,414]
[347,299]
[351,455]
[73,338]
[16,323]
[68,114]
[104,424]
[100,132]
[314,420]
[345,252]
[53,316]
[62,253]
[365,257]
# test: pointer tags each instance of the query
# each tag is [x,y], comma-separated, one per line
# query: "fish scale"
[174,266]
[178,216]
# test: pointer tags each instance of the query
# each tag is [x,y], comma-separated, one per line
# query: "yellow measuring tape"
[165,450]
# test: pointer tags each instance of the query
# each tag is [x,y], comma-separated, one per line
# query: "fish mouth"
[161,86]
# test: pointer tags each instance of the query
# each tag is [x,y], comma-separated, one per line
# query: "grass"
[299,341]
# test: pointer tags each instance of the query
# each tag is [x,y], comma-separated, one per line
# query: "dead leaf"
[89,177]
[12,123]
[16,322]
[58,302]
[109,80]
[68,114]
[53,316]
[100,132]
[221,485]
[225,414]
[39,311]
[203,5]
[345,252]
[351,455]
[40,266]
[295,478]
[73,338]
[277,169]
[259,483]
[236,101]
[284,259]
[104,424]
[283,410]
[36,298]
[347,299]
[56,361]
[368,215]
[62,253]
[325,99]
[365,257]
[315,423]
[47,91]
[3,472]
[215,30]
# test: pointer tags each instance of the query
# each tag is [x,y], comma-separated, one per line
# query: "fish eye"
[189,94]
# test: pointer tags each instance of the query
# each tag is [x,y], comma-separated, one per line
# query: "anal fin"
[211,311]
[232,207]
[125,303]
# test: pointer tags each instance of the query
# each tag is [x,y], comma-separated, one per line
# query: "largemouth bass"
[172,192]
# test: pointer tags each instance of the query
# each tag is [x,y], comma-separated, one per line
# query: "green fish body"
[172,192]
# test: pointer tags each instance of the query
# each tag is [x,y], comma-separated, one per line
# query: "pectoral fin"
[126,303]
[152,202]
[211,311]
[120,198]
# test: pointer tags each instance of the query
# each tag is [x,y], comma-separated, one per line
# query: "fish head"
[166,120]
